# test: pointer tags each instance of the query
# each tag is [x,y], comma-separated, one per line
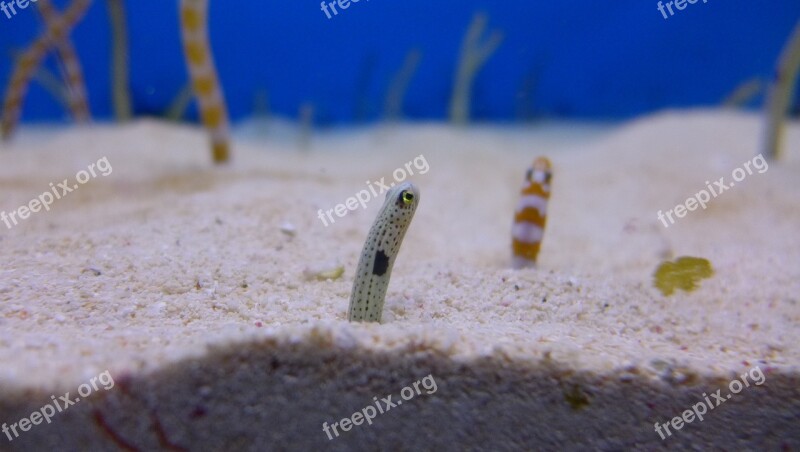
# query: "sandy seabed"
[190,285]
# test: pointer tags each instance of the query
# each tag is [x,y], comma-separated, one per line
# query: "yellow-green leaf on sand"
[685,273]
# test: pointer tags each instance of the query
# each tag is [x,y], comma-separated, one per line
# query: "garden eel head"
[404,198]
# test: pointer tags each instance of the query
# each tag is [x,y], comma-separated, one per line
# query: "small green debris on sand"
[324,271]
[576,398]
[684,273]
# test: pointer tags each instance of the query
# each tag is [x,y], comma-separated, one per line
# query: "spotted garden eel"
[380,250]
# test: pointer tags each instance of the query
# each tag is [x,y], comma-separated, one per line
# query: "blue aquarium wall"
[578,59]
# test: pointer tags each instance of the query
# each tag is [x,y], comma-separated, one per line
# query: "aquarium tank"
[385,225]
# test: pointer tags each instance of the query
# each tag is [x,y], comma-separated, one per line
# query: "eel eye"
[547,176]
[407,198]
[529,175]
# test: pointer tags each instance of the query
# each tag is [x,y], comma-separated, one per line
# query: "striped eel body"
[205,83]
[76,89]
[56,31]
[380,250]
[531,214]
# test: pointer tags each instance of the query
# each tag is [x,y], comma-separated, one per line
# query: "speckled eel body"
[380,251]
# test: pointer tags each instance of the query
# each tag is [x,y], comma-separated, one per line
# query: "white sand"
[176,277]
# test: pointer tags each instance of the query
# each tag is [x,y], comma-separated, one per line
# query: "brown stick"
[123,109]
[780,95]
[475,51]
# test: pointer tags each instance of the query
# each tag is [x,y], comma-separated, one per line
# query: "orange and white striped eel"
[531,214]
[25,67]
[205,83]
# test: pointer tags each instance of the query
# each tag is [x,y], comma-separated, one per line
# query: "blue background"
[590,59]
